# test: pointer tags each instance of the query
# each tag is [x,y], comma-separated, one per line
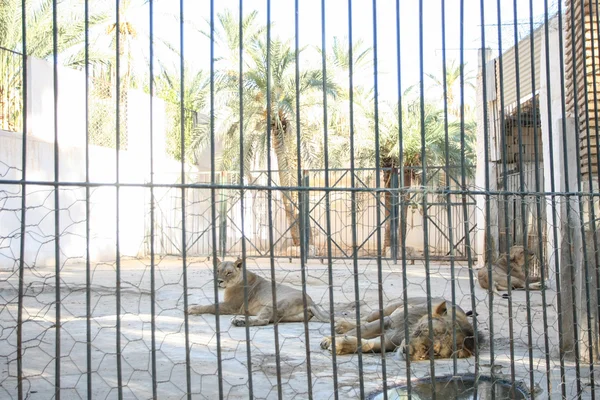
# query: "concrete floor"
[39,334]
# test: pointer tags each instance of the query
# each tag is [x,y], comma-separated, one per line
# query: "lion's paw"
[195,310]
[346,345]
[326,343]
[535,285]
[238,320]
[343,344]
[343,326]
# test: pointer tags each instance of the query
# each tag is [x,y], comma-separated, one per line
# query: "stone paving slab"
[39,333]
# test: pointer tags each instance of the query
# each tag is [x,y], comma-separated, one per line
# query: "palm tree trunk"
[291,214]
[287,196]
[387,180]
[404,207]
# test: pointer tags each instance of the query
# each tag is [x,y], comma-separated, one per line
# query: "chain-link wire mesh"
[103,114]
[440,242]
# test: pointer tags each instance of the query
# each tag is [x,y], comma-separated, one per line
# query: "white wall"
[134,167]
[40,102]
[40,217]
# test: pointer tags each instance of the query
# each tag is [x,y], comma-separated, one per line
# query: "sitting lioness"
[419,342]
[290,307]
[517,274]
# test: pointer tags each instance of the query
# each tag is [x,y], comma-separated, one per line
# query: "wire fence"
[261,221]
[311,209]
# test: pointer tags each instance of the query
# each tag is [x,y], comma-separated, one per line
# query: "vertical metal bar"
[304,217]
[117,189]
[488,248]
[268,127]
[553,190]
[88,272]
[567,197]
[424,200]
[304,240]
[186,321]
[152,207]
[447,176]
[524,225]
[570,240]
[506,197]
[361,380]
[592,212]
[538,199]
[242,193]
[401,170]
[597,137]
[327,199]
[23,226]
[580,196]
[57,322]
[213,197]
[464,189]
[223,216]
[378,198]
[394,214]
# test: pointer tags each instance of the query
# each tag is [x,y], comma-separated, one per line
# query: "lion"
[500,272]
[290,306]
[418,344]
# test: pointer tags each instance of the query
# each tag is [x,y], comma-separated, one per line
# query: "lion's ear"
[440,309]
[238,263]
[218,261]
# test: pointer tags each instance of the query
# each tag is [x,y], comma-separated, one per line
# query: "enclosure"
[363,154]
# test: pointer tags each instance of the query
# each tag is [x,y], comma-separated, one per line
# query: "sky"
[197,46]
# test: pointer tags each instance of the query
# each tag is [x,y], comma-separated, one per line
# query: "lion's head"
[518,255]
[229,273]
[419,341]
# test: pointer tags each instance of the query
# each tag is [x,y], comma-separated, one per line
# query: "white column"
[481,236]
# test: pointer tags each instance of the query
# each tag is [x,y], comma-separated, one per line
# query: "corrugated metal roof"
[510,73]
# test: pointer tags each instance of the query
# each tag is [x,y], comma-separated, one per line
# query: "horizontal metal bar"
[470,192]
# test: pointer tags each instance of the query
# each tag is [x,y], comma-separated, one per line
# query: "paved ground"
[39,334]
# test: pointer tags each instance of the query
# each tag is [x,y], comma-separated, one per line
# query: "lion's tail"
[340,309]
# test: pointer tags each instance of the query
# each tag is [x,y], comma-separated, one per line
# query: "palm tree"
[435,149]
[70,34]
[257,80]
[168,87]
[70,27]
[338,63]
[280,127]
[453,72]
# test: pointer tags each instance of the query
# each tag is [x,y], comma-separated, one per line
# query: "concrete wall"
[70,102]
[40,217]
[134,167]
[565,241]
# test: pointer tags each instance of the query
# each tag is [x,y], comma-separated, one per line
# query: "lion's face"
[419,342]
[518,255]
[229,273]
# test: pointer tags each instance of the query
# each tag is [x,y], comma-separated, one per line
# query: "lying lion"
[290,307]
[517,274]
[419,342]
